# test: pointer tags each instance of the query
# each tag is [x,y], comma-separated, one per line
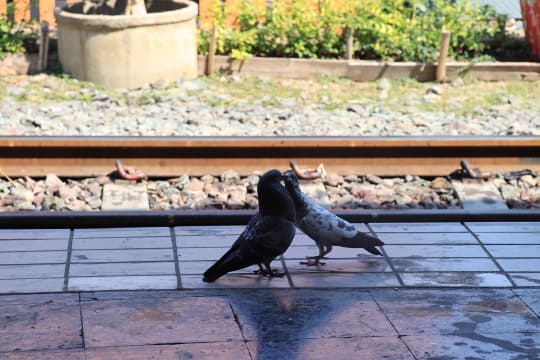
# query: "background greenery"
[398,30]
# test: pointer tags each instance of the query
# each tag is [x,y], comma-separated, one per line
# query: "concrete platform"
[442,291]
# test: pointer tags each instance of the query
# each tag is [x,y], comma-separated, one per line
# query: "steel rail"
[171,156]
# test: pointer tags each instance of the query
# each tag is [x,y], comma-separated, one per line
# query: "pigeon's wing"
[327,228]
[239,255]
[249,231]
[324,226]
[262,240]
[272,238]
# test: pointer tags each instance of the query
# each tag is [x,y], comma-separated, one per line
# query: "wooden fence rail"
[44,10]
[26,10]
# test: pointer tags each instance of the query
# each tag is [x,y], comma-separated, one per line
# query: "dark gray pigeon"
[267,235]
[324,227]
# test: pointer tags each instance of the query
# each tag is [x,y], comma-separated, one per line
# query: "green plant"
[11,40]
[383,29]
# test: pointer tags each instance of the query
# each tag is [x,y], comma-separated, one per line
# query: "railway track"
[162,157]
[168,156]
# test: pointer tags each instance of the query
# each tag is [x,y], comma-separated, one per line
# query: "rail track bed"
[168,177]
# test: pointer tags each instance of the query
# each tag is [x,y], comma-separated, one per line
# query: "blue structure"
[508,7]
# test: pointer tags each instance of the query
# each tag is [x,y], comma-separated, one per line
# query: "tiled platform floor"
[296,324]
[473,255]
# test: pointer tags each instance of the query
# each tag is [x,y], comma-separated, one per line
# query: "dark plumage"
[267,235]
[324,227]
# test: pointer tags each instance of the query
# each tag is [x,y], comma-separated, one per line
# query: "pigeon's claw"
[316,257]
[268,272]
[313,261]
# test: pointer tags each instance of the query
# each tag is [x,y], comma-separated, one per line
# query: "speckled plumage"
[324,227]
[267,235]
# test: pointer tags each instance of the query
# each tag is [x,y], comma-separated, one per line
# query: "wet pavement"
[442,291]
[273,324]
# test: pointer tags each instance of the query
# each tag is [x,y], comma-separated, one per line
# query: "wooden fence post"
[43,46]
[211,57]
[205,13]
[443,55]
[3,8]
[349,35]
[46,12]
[21,11]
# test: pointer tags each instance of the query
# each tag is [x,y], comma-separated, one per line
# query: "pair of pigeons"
[271,230]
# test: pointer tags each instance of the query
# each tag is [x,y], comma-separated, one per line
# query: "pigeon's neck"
[301,201]
[275,200]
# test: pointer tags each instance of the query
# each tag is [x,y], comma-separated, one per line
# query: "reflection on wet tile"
[371,264]
[520,264]
[33,257]
[235,280]
[32,234]
[444,264]
[418,227]
[214,350]
[209,230]
[191,254]
[70,354]
[199,267]
[139,321]
[124,255]
[31,285]
[343,280]
[474,346]
[511,251]
[118,269]
[43,326]
[278,315]
[531,297]
[121,283]
[332,348]
[509,238]
[452,251]
[31,271]
[31,299]
[482,311]
[225,241]
[427,238]
[150,242]
[33,245]
[526,279]
[338,252]
[523,226]
[121,232]
[468,279]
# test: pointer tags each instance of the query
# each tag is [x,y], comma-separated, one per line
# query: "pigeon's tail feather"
[228,262]
[361,240]
[373,250]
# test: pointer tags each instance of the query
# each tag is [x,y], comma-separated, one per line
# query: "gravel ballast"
[197,108]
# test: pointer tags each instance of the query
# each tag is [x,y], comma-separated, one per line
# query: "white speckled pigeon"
[267,235]
[324,227]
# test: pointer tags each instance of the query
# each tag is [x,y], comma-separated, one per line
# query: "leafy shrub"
[383,29]
[11,41]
